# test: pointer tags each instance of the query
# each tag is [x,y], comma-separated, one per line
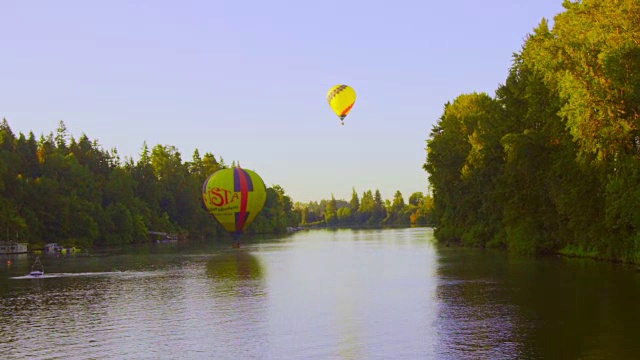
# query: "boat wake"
[107,273]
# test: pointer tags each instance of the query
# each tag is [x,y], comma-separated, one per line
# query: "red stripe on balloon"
[244,197]
[346,111]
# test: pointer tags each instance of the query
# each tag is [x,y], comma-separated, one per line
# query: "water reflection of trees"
[495,306]
[474,318]
[578,308]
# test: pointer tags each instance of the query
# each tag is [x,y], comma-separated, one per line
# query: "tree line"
[74,192]
[56,188]
[369,211]
[551,163]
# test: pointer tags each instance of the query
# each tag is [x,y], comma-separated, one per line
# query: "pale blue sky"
[247,80]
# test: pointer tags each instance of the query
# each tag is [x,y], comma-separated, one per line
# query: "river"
[318,294]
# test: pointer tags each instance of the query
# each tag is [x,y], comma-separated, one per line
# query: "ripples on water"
[374,294]
[198,309]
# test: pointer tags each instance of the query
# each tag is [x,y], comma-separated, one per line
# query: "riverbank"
[567,251]
[580,252]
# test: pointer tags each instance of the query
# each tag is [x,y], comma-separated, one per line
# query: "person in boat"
[37,269]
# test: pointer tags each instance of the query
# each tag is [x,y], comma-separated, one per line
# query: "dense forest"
[369,211]
[58,189]
[551,164]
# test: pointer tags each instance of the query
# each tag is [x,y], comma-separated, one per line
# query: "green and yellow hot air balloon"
[341,98]
[234,196]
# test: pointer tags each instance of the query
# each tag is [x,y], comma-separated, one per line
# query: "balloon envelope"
[341,98]
[234,196]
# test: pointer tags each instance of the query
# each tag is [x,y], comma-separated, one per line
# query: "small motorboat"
[37,269]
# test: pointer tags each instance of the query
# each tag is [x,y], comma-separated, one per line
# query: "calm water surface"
[345,294]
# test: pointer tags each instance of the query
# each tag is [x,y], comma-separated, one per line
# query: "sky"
[247,80]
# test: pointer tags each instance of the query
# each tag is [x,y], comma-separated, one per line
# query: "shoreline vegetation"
[58,189]
[551,163]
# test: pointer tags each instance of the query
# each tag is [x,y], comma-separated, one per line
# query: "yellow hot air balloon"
[341,98]
[234,196]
